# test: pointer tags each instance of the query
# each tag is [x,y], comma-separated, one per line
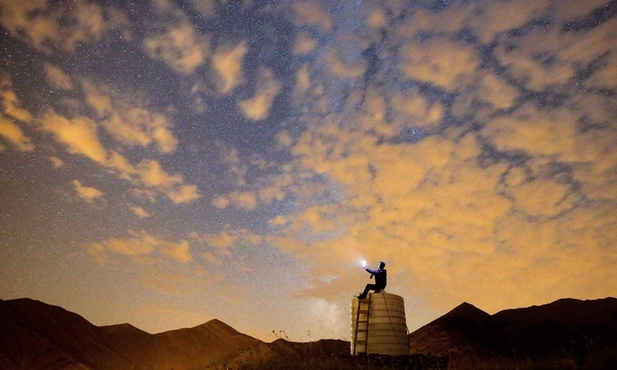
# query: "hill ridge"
[37,335]
[563,327]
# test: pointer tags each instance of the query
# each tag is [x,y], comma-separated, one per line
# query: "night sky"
[164,163]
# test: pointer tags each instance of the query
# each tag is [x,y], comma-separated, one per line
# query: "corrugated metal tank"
[381,327]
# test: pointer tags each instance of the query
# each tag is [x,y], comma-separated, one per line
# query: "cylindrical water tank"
[380,327]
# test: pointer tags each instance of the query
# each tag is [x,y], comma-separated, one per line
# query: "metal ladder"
[362,310]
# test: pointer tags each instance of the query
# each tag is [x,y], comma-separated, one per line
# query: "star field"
[164,163]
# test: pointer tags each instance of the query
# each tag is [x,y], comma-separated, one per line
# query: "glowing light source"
[363,263]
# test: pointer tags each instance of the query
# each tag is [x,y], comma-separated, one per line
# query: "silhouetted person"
[381,277]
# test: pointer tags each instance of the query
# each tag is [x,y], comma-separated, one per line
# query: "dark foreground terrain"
[566,334]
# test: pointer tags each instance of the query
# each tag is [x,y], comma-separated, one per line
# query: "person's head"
[382,265]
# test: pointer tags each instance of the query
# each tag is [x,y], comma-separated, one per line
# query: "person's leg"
[366,290]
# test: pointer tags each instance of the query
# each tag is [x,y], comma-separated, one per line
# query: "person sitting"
[381,276]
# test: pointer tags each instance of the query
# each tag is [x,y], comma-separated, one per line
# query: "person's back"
[381,278]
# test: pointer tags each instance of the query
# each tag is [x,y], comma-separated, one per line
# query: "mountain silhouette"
[35,335]
[569,333]
[38,335]
[464,329]
[565,329]
[564,325]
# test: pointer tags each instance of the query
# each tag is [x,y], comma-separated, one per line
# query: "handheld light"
[363,263]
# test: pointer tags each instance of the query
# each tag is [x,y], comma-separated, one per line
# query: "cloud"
[227,63]
[303,80]
[127,120]
[454,207]
[179,251]
[57,78]
[304,44]
[486,19]
[258,107]
[11,106]
[550,133]
[412,110]
[172,283]
[142,248]
[604,77]
[138,126]
[205,8]
[239,170]
[222,247]
[181,193]
[535,64]
[229,238]
[79,135]
[437,216]
[15,135]
[489,19]
[221,202]
[442,62]
[236,170]
[180,46]
[338,67]
[89,194]
[556,60]
[311,13]
[151,174]
[543,197]
[498,92]
[56,162]
[140,212]
[376,18]
[64,26]
[388,176]
[241,199]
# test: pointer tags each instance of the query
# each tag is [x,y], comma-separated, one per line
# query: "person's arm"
[371,270]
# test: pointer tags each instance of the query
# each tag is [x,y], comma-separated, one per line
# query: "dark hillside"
[568,333]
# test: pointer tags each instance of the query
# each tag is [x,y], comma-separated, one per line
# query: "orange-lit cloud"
[304,44]
[257,108]
[140,212]
[129,122]
[227,63]
[86,193]
[442,62]
[79,136]
[11,106]
[142,247]
[339,68]
[56,162]
[180,47]
[46,27]
[309,13]
[57,78]
[15,135]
